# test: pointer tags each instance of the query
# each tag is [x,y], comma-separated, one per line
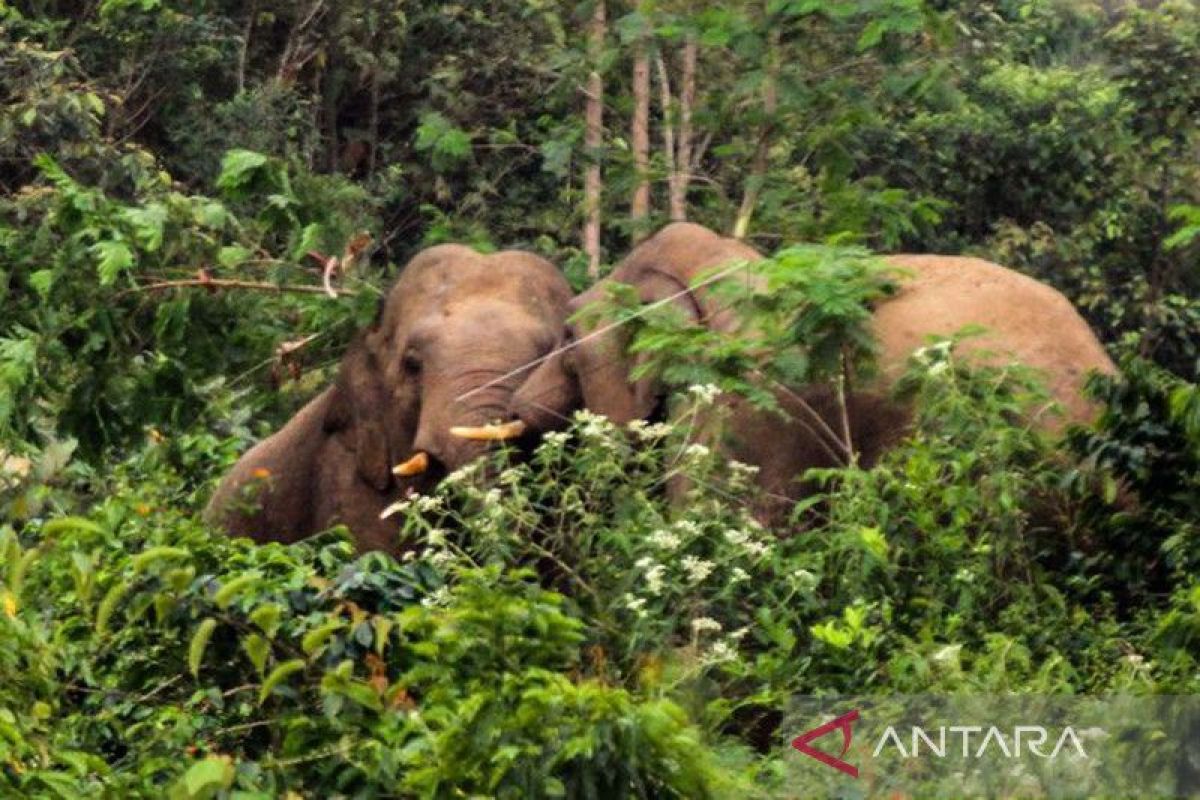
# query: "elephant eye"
[411,364]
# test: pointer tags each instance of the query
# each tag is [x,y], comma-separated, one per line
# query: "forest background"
[201,202]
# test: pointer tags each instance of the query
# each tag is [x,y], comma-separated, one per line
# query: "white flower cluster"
[702,624]
[395,508]
[704,393]
[438,598]
[649,431]
[463,474]
[422,502]
[696,451]
[935,357]
[556,438]
[428,502]
[654,574]
[742,469]
[930,353]
[636,604]
[593,425]
[806,579]
[720,652]
[665,540]
[697,569]
[747,542]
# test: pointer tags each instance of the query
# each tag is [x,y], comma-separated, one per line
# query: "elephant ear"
[356,406]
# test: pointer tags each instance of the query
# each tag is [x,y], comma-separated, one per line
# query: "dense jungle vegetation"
[178,182]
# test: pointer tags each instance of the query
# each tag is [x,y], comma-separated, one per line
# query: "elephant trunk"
[454,430]
[548,397]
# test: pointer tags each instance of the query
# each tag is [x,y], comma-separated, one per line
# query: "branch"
[218,283]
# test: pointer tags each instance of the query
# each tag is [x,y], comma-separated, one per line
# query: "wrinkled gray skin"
[454,322]
[1026,321]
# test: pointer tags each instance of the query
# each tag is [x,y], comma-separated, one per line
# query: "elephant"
[416,396]
[1024,320]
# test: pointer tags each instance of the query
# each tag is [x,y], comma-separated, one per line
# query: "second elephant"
[1025,321]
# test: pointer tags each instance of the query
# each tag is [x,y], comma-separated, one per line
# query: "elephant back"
[1024,320]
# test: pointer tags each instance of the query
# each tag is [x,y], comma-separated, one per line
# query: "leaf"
[55,456]
[232,256]
[230,590]
[108,605]
[41,282]
[205,779]
[318,636]
[874,542]
[278,675]
[113,258]
[238,169]
[364,694]
[155,554]
[147,223]
[18,567]
[267,617]
[210,214]
[199,643]
[383,626]
[445,142]
[257,649]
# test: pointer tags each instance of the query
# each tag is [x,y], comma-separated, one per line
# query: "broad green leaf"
[147,223]
[230,590]
[112,258]
[257,649]
[205,779]
[232,256]
[156,554]
[56,527]
[108,605]
[278,675]
[238,168]
[41,282]
[199,643]
[319,635]
[267,618]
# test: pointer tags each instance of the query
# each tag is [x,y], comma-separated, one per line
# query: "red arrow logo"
[844,722]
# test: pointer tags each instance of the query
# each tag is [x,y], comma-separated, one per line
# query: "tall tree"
[639,134]
[758,167]
[682,175]
[593,138]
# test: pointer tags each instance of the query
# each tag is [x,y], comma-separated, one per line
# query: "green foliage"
[804,317]
[561,629]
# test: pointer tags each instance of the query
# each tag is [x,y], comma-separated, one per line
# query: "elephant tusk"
[490,433]
[414,466]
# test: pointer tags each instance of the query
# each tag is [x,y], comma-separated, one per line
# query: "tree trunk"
[244,47]
[373,122]
[683,157]
[758,167]
[668,126]
[593,138]
[639,138]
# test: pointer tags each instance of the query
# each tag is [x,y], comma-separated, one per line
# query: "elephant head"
[596,369]
[417,395]
[423,389]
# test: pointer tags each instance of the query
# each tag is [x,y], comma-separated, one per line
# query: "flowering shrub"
[566,626]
